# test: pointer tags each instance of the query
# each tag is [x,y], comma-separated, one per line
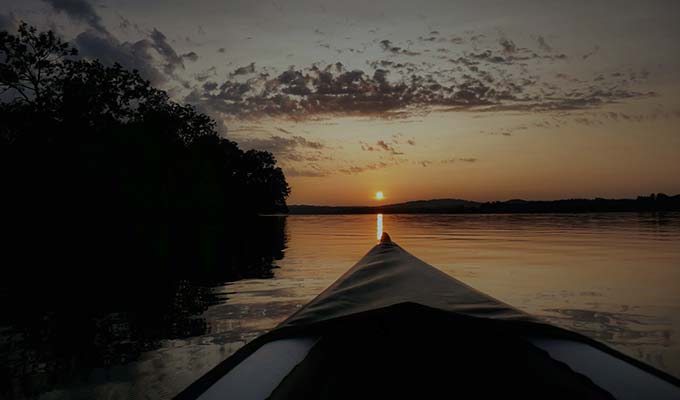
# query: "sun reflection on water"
[379,219]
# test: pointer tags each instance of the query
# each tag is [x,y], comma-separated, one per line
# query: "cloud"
[543,45]
[487,56]
[79,10]
[333,91]
[387,45]
[295,148]
[381,145]
[299,94]
[385,146]
[191,56]
[160,44]
[352,170]
[109,50]
[154,58]
[509,47]
[412,142]
[589,54]
[367,147]
[310,172]
[507,131]
[482,80]
[205,75]
[453,160]
[209,86]
[248,69]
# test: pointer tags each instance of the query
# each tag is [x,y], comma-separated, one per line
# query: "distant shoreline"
[651,203]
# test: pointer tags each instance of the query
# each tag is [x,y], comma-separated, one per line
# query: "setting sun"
[379,195]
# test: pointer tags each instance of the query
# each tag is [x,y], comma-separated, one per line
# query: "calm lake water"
[614,277]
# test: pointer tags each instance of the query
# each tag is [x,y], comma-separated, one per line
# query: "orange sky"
[454,156]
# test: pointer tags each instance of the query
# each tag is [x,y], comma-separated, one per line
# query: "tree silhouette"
[101,169]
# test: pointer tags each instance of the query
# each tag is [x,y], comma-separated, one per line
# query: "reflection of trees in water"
[94,327]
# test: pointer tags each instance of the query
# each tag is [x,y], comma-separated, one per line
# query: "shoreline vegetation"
[113,192]
[652,203]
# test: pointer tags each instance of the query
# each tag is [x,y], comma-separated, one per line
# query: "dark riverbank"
[651,203]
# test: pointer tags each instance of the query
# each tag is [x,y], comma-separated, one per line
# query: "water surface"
[614,277]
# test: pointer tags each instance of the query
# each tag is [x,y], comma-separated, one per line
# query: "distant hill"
[653,202]
[411,207]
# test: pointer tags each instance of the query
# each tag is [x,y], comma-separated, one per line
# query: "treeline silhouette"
[107,182]
[651,203]
[121,210]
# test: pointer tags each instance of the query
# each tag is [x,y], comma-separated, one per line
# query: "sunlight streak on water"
[379,230]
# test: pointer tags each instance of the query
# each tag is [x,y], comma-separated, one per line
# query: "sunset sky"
[481,100]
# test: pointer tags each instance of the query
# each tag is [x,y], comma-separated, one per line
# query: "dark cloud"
[109,50]
[543,45]
[387,147]
[221,50]
[154,58]
[483,80]
[248,69]
[367,147]
[381,145]
[191,56]
[589,54]
[507,131]
[210,86]
[294,148]
[309,172]
[454,160]
[160,43]
[304,93]
[79,10]
[487,56]
[388,46]
[316,92]
[205,75]
[411,142]
[355,169]
[509,47]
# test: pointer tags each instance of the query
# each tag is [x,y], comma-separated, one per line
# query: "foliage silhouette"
[106,178]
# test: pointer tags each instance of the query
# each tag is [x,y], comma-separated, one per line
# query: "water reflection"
[48,345]
[613,277]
